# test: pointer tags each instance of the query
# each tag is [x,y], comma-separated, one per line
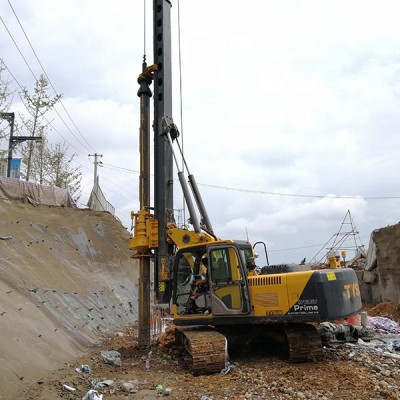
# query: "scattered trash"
[383,325]
[364,318]
[205,398]
[342,332]
[354,320]
[129,387]
[147,363]
[159,388]
[95,384]
[69,388]
[167,391]
[395,345]
[120,334]
[228,368]
[391,355]
[111,357]
[92,395]
[83,368]
[5,237]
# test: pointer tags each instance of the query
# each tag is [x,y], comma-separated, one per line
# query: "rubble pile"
[367,368]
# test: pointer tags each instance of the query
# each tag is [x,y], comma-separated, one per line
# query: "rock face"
[66,277]
[381,278]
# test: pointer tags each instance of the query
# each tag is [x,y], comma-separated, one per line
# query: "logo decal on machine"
[308,306]
[352,290]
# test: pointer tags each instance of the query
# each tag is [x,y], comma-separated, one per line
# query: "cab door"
[228,282]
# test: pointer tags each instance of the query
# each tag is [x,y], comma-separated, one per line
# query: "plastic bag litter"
[111,357]
[391,355]
[395,345]
[83,368]
[92,395]
[69,388]
[167,391]
[228,368]
[97,384]
[147,363]
[383,325]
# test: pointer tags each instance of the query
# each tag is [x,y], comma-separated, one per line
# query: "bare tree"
[60,172]
[37,105]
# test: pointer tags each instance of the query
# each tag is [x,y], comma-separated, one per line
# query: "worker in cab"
[252,268]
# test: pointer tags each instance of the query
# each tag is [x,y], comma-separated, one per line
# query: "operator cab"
[211,280]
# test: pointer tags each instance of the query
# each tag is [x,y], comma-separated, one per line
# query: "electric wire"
[103,178]
[295,248]
[19,50]
[12,75]
[51,84]
[122,169]
[333,197]
[56,130]
[48,122]
[205,185]
[24,89]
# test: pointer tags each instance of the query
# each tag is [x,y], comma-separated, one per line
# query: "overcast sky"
[291,109]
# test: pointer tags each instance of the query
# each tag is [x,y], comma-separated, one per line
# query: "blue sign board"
[15,171]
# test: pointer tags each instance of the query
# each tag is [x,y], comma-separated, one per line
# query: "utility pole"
[14,140]
[96,162]
[10,117]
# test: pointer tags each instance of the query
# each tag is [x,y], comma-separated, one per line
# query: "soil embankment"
[66,277]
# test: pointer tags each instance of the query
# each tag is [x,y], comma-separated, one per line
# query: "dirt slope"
[66,277]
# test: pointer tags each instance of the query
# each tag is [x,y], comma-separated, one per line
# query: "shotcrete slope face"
[66,277]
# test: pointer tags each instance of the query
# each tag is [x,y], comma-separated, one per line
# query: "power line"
[334,197]
[122,169]
[9,71]
[48,122]
[66,111]
[295,248]
[16,45]
[51,84]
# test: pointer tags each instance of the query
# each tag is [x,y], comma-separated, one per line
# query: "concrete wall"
[381,278]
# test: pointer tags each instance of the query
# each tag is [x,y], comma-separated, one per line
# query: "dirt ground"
[384,309]
[345,373]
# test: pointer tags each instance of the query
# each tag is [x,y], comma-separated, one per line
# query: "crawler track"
[208,349]
[304,343]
